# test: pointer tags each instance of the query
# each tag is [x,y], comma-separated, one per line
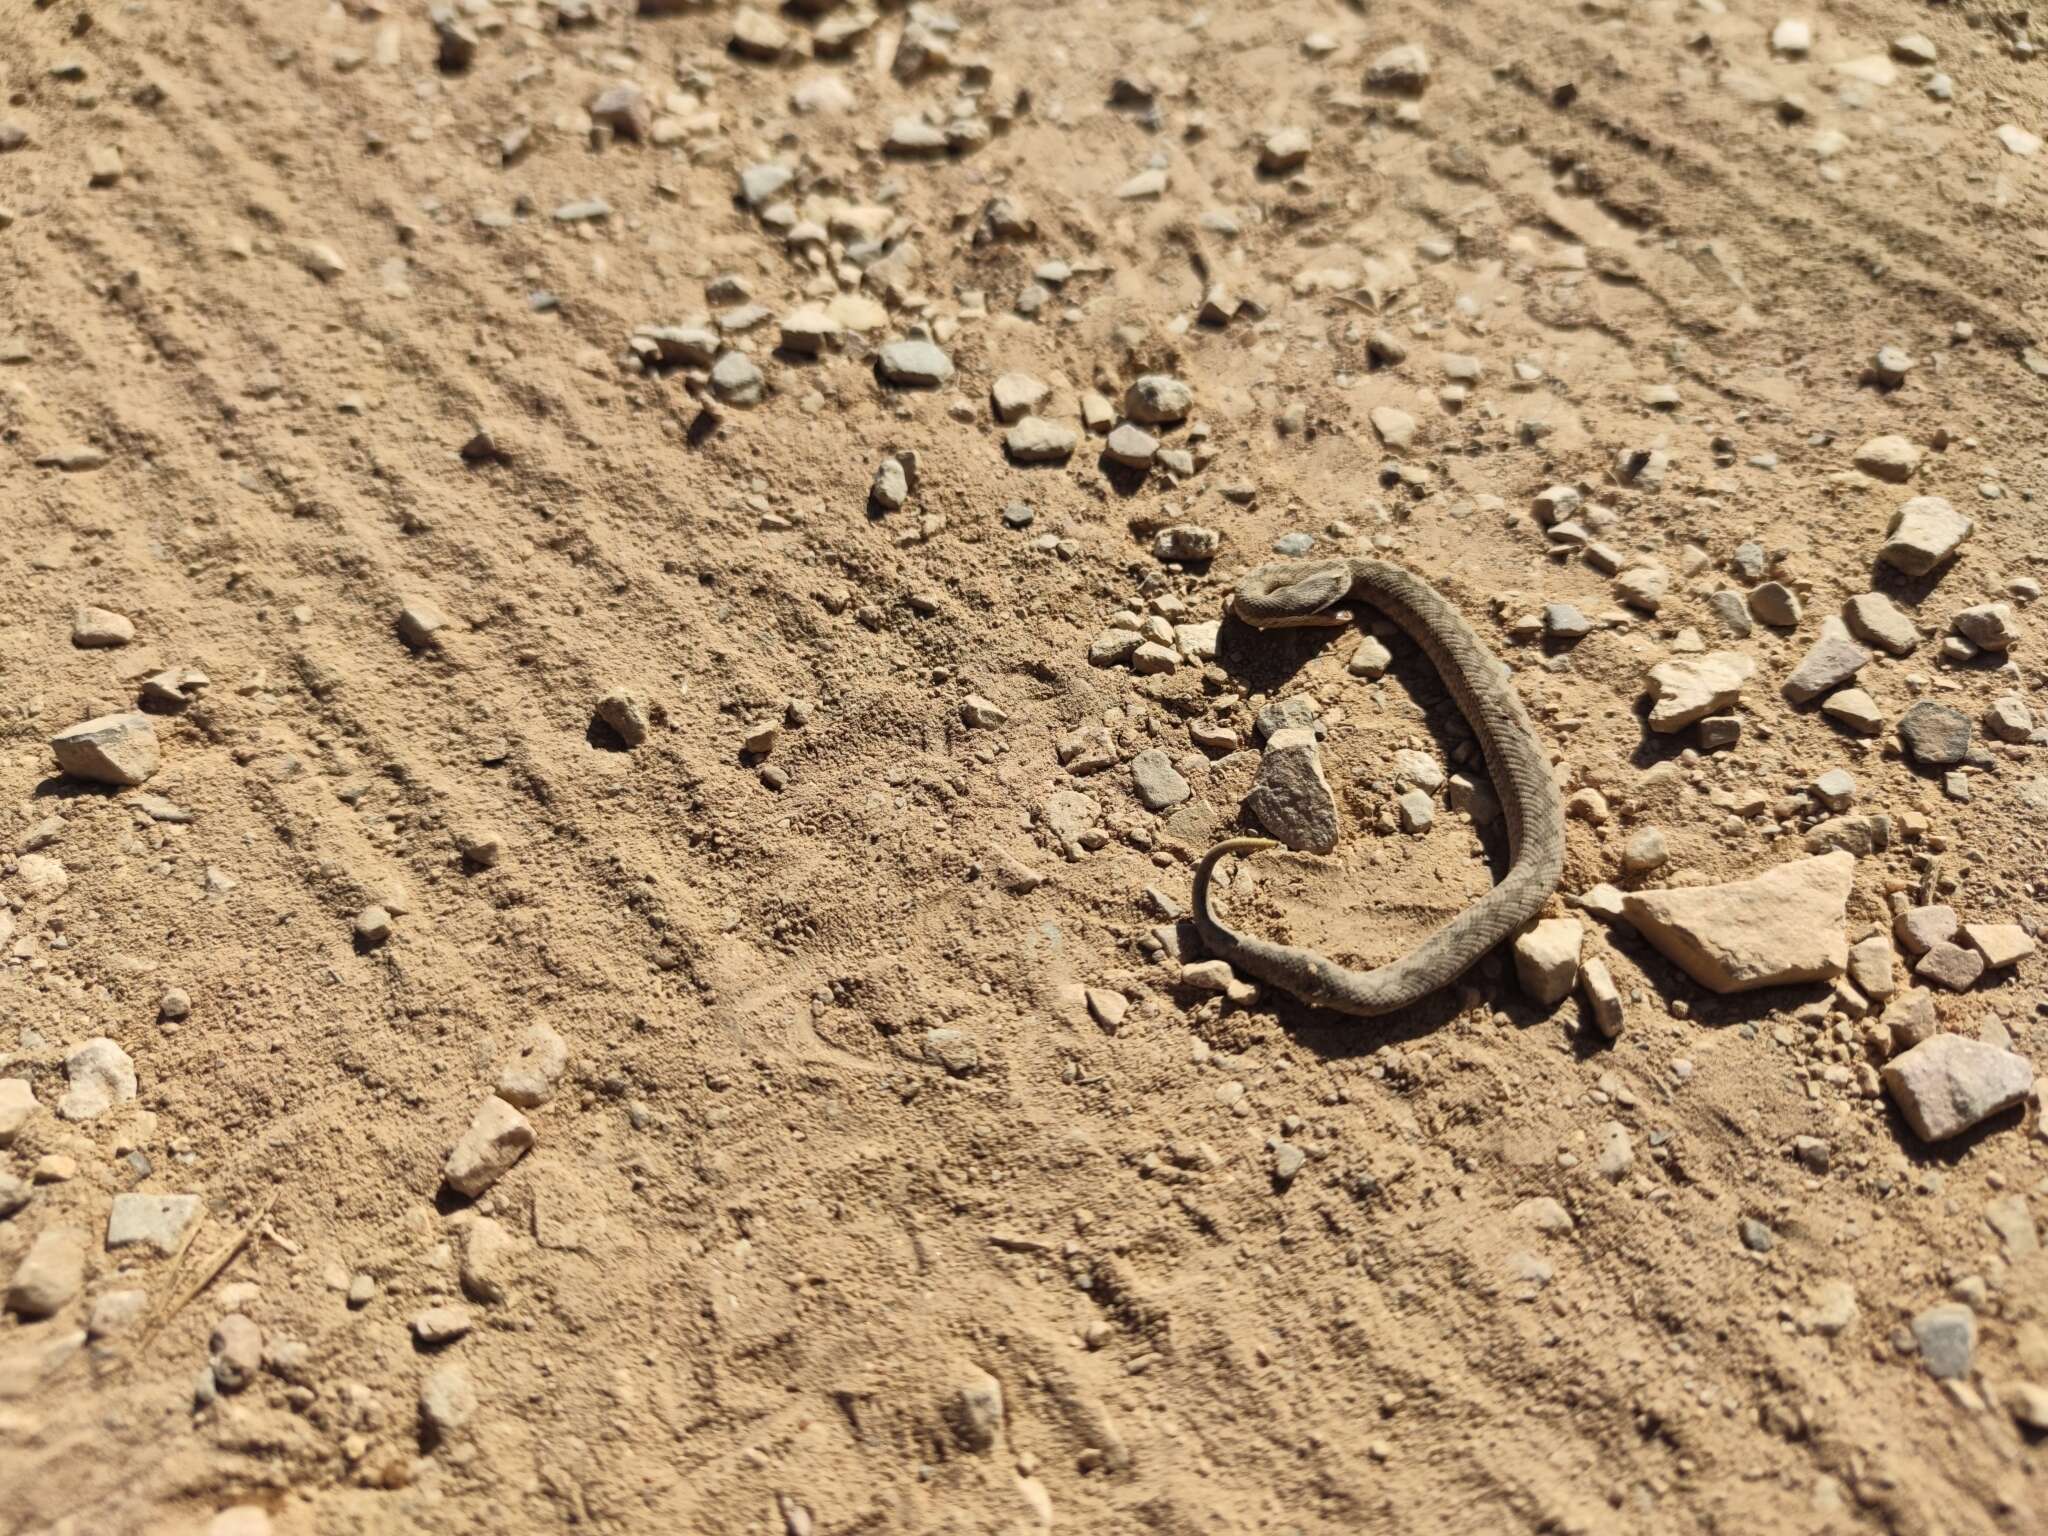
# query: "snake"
[1312,594]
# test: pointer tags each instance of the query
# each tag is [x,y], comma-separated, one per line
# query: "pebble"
[1836,789]
[1912,48]
[1856,710]
[496,1139]
[1371,659]
[1833,660]
[1284,151]
[1396,428]
[1756,1237]
[1035,440]
[1547,959]
[1989,626]
[626,713]
[914,364]
[1158,399]
[1131,446]
[155,1221]
[1890,458]
[1792,36]
[1775,604]
[1934,735]
[1617,1155]
[1876,620]
[1603,997]
[49,1275]
[420,623]
[1775,928]
[1402,70]
[372,927]
[441,1325]
[1561,621]
[112,749]
[534,1070]
[1923,534]
[1689,688]
[1417,812]
[235,1352]
[1871,970]
[448,1401]
[1645,850]
[99,1075]
[1158,783]
[1946,1084]
[2017,140]
[1947,1339]
[2008,719]
[976,1411]
[1290,797]
[100,628]
[2001,944]
[736,380]
[1950,965]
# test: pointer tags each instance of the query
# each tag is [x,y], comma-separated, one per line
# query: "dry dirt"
[767,1235]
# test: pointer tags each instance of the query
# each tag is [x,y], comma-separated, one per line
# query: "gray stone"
[1934,735]
[1946,1084]
[1131,446]
[914,364]
[448,1401]
[1871,969]
[420,623]
[1833,661]
[99,628]
[760,185]
[1402,70]
[1035,440]
[1924,533]
[235,1352]
[1159,784]
[626,713]
[958,1052]
[1616,1156]
[443,1324]
[1756,1237]
[155,1221]
[2008,719]
[1950,965]
[1290,797]
[1855,710]
[1890,458]
[1909,1019]
[1561,621]
[1775,604]
[1877,620]
[975,1411]
[113,749]
[736,380]
[1947,1336]
[1416,810]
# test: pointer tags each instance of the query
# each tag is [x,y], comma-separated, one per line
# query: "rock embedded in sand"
[496,1139]
[1947,1083]
[1782,926]
[112,749]
[1291,798]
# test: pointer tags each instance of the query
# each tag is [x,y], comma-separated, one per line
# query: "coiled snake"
[1305,593]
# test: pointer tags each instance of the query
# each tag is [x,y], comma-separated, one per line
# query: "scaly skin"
[1305,593]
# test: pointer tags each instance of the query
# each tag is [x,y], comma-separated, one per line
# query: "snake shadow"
[1266,662]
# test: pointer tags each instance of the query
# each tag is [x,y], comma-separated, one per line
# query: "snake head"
[1296,594]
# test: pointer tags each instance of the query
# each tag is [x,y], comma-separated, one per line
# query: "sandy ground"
[778,1246]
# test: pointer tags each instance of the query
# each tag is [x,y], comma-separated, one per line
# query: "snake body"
[1308,593]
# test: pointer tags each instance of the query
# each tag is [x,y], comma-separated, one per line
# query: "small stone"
[1290,796]
[1616,1156]
[1890,458]
[1912,48]
[1561,621]
[1547,959]
[496,1139]
[1946,1084]
[448,1401]
[1016,395]
[372,927]
[1371,659]
[1856,710]
[535,1067]
[1909,1019]
[49,1275]
[626,713]
[1107,1008]
[1158,783]
[1035,440]
[440,1325]
[2001,944]
[112,749]
[1402,70]
[1812,1153]
[2007,718]
[323,261]
[737,380]
[17,1106]
[1131,446]
[2017,141]
[484,1258]
[1934,735]
[1836,789]
[1284,151]
[1989,626]
[809,331]
[1792,37]
[2028,1404]
[1776,604]
[914,364]
[757,35]
[1890,366]
[1947,1337]
[1396,428]
[1689,688]
[625,109]
[1603,997]
[115,1312]
[100,628]
[1950,965]
[235,1351]
[1779,927]
[1416,810]
[1643,587]
[1288,1161]
[1833,660]
[1871,968]
[1756,1237]
[1645,850]
[99,1075]
[1876,620]
[1924,533]
[420,624]
[976,1411]
[155,1221]
[1158,399]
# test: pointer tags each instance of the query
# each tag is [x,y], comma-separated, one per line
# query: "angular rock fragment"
[1776,928]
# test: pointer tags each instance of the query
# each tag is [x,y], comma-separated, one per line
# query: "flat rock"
[1876,620]
[1890,458]
[1689,688]
[1396,428]
[1934,735]
[1947,1337]
[1158,783]
[1854,710]
[914,364]
[152,1221]
[100,628]
[1776,928]
[1947,1083]
[1833,660]
[1035,440]
[1291,798]
[2001,944]
[1016,395]
[496,1139]
[1925,532]
[112,749]
[1950,965]
[99,1076]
